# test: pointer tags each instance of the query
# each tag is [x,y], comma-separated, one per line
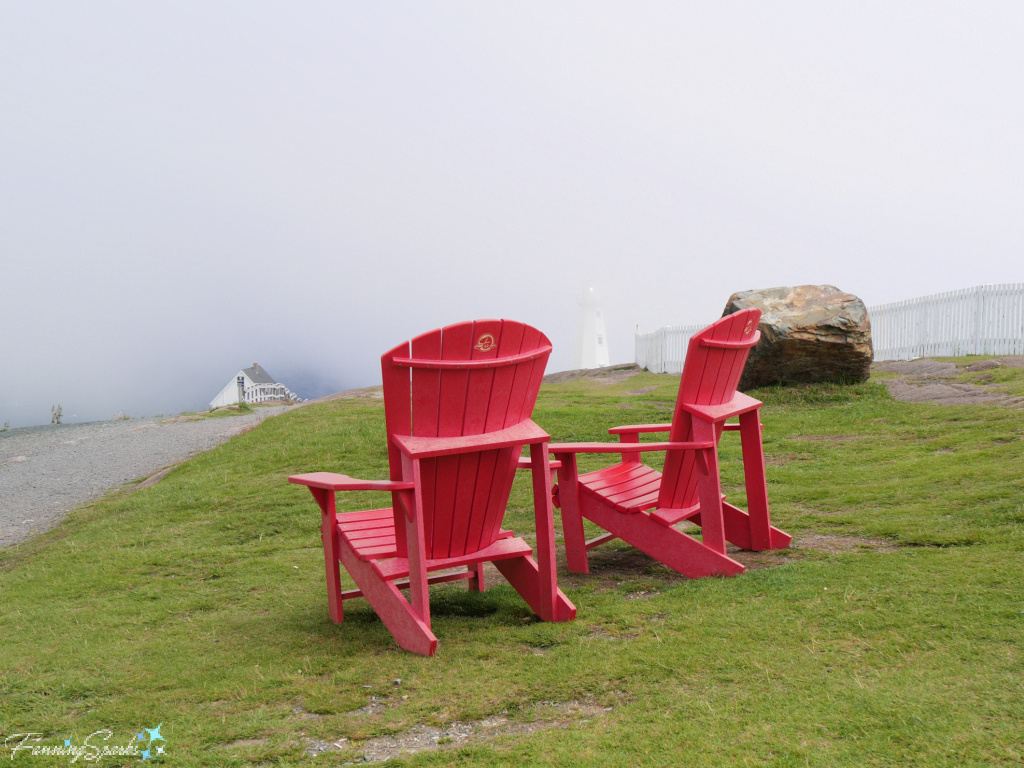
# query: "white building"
[591,340]
[252,385]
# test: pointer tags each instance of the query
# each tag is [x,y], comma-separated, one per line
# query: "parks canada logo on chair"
[485,343]
[147,744]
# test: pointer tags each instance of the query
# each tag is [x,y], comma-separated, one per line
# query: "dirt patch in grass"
[360,393]
[245,744]
[834,544]
[755,561]
[779,459]
[375,707]
[642,390]
[611,375]
[828,438]
[642,594]
[610,566]
[429,738]
[927,381]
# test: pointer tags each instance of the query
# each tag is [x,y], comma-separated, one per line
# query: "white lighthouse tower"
[591,339]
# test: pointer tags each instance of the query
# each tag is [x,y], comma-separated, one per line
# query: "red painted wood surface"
[640,505]
[458,402]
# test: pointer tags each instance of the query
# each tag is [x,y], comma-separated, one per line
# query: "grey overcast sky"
[189,187]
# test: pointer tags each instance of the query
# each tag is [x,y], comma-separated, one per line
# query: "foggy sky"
[187,188]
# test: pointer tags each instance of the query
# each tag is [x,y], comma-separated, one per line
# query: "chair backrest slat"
[451,409]
[714,363]
[397,411]
[426,386]
[483,487]
[500,482]
[464,379]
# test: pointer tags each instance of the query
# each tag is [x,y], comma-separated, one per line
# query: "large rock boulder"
[809,333]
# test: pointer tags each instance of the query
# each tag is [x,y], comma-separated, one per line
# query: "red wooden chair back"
[465,379]
[714,363]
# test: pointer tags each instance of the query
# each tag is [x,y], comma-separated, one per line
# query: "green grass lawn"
[889,635]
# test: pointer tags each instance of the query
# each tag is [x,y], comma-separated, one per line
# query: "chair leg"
[419,595]
[572,520]
[329,537]
[680,552]
[737,530]
[761,534]
[476,581]
[544,525]
[712,522]
[526,578]
[410,630]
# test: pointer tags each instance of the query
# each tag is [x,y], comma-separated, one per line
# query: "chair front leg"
[712,519]
[544,522]
[419,594]
[329,536]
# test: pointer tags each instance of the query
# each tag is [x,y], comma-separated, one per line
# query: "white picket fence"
[984,320]
[268,393]
[663,350]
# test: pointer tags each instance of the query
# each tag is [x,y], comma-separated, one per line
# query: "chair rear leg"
[526,578]
[476,581]
[754,479]
[572,520]
[737,530]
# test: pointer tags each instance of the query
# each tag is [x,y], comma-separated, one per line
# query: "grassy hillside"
[890,635]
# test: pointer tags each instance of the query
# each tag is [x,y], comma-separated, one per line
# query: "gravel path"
[47,471]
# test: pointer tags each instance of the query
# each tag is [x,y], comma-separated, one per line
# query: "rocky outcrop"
[810,333]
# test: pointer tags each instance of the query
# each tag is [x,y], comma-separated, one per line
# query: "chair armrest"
[637,428]
[526,463]
[739,404]
[564,448]
[524,433]
[331,481]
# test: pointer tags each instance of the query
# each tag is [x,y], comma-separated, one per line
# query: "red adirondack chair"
[457,403]
[641,505]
